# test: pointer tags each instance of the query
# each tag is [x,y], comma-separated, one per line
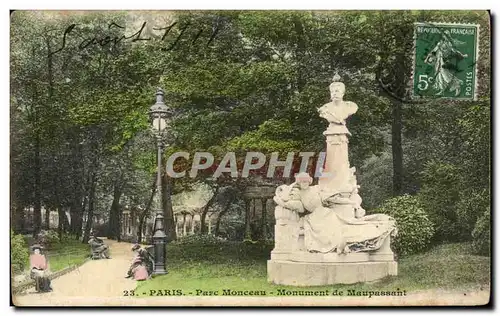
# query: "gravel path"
[102,283]
[96,278]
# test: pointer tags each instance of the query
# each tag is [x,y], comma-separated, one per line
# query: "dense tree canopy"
[82,83]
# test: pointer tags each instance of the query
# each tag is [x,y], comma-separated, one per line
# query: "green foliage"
[415,229]
[376,169]
[455,186]
[203,249]
[475,130]
[48,239]
[481,235]
[19,252]
[271,136]
[470,207]
[201,239]
[439,196]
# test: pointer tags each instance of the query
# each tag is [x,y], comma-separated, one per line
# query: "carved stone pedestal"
[322,234]
[323,273]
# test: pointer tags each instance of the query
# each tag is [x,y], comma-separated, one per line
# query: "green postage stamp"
[445,60]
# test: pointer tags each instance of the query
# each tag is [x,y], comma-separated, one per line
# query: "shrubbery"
[415,229]
[48,238]
[471,207]
[199,239]
[481,234]
[452,204]
[439,197]
[19,252]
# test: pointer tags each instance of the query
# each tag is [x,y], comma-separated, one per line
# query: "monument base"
[323,273]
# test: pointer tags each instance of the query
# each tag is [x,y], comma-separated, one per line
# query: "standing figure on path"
[39,268]
[97,245]
[142,264]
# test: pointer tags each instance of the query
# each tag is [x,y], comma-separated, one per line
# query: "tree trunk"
[144,213]
[204,212]
[47,219]
[192,224]
[76,213]
[60,222]
[176,228]
[248,231]
[90,217]
[264,219]
[300,53]
[397,148]
[224,211]
[184,226]
[37,209]
[17,217]
[79,217]
[168,212]
[66,225]
[79,202]
[114,212]
[60,227]
[139,230]
[20,218]
[209,224]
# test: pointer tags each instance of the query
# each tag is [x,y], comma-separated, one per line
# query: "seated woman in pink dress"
[39,268]
[140,273]
[141,266]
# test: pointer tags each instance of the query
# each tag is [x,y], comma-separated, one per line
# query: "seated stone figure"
[328,230]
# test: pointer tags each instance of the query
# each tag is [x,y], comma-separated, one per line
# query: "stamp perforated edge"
[411,82]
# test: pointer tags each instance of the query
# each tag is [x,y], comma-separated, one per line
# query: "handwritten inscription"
[113,41]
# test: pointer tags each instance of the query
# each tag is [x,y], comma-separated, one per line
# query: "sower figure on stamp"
[39,268]
[97,246]
[142,264]
[439,57]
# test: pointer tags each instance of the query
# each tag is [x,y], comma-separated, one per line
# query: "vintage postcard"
[250,158]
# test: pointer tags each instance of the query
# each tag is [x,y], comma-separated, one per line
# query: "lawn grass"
[238,266]
[67,253]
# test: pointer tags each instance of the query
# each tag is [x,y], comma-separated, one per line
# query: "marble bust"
[338,110]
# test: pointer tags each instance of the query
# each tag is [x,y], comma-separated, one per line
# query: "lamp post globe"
[159,114]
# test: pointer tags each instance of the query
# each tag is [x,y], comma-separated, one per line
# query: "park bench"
[95,255]
[96,252]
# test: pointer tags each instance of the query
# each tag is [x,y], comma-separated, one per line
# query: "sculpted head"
[136,247]
[337,90]
[303,180]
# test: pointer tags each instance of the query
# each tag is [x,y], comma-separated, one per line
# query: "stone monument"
[322,234]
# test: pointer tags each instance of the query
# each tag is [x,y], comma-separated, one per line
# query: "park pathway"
[102,283]
[95,278]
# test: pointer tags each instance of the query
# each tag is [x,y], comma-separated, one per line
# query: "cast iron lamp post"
[159,114]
